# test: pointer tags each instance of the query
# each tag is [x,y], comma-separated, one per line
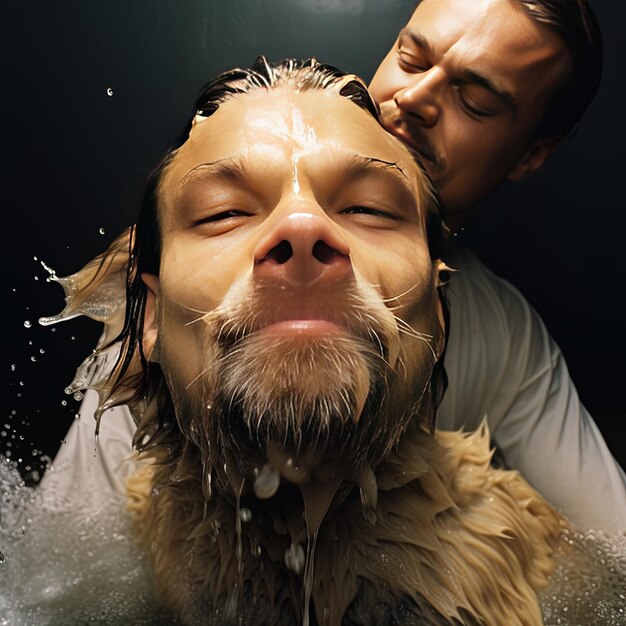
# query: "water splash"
[589,584]
[65,564]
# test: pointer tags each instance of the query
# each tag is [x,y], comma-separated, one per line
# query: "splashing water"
[64,563]
[589,584]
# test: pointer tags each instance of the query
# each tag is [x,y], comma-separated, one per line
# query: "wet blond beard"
[335,403]
[453,541]
[285,428]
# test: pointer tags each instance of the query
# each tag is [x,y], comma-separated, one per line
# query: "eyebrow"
[467,75]
[229,167]
[418,39]
[358,163]
[236,169]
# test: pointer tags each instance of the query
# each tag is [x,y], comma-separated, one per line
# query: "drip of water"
[309,572]
[267,482]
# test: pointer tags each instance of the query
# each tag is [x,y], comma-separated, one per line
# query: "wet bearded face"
[296,308]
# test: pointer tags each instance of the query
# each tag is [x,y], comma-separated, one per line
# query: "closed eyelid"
[416,38]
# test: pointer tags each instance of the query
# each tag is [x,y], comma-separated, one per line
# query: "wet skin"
[303,192]
[465,86]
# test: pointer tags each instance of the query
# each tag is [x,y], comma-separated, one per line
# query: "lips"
[303,327]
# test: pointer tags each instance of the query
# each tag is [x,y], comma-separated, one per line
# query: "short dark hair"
[576,25]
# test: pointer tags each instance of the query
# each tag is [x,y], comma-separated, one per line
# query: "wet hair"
[145,252]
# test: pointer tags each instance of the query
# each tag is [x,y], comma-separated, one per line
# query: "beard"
[334,402]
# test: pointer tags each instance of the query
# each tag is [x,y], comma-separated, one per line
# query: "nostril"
[325,253]
[279,254]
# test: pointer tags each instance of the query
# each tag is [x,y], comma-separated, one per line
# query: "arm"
[503,364]
[88,469]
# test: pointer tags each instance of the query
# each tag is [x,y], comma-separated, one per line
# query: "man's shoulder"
[479,296]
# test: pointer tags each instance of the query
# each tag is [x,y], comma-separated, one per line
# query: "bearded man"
[278,334]
[480,91]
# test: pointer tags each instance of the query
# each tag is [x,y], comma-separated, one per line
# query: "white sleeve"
[88,468]
[503,365]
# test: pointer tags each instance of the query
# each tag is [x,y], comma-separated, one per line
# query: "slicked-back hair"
[576,24]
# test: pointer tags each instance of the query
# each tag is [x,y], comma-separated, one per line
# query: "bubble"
[27,324]
[267,482]
[109,91]
[294,558]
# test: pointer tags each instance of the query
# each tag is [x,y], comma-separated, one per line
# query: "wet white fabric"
[501,363]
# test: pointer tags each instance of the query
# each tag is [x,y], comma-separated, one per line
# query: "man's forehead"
[282,124]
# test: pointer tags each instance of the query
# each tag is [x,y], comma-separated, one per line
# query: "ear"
[534,158]
[443,276]
[150,326]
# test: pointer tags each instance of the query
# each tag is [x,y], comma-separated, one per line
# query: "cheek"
[395,266]
[195,276]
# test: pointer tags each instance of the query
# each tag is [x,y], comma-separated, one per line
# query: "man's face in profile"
[293,248]
[465,86]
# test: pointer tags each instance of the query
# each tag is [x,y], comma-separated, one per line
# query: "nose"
[422,97]
[301,249]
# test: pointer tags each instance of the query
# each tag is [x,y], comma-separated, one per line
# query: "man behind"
[482,91]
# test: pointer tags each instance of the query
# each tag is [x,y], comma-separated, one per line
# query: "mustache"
[351,310]
[408,128]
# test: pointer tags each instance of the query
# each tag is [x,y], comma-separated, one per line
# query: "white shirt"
[502,365]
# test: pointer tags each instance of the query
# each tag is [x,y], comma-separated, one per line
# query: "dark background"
[78,159]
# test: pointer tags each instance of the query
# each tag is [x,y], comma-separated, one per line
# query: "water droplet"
[109,91]
[64,402]
[78,396]
[27,323]
[42,351]
[245,515]
[267,482]
[36,277]
[33,358]
[294,558]
[101,231]
[69,391]
[12,367]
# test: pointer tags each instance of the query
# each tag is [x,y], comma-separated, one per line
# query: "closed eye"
[365,210]
[224,215]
